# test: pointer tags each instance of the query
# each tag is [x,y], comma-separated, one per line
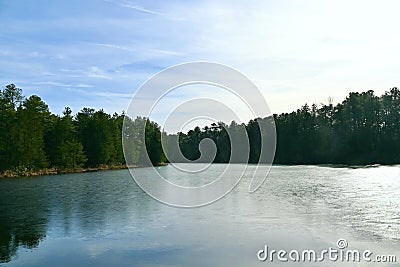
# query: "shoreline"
[54,171]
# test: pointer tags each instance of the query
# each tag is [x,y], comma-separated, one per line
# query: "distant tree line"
[363,129]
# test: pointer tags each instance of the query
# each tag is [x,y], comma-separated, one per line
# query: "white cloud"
[129,4]
[96,72]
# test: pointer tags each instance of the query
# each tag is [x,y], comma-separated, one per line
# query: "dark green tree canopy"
[362,129]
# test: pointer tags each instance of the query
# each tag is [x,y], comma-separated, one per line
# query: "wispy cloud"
[165,52]
[121,47]
[114,95]
[53,84]
[47,73]
[130,5]
[81,85]
[96,72]
[58,84]
[138,49]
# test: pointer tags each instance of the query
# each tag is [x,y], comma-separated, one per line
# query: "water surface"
[104,219]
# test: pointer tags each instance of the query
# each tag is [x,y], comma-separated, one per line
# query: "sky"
[97,53]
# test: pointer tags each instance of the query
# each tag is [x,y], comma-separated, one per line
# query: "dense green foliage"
[363,129]
[31,138]
[142,150]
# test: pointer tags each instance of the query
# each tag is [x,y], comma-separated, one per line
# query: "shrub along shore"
[18,173]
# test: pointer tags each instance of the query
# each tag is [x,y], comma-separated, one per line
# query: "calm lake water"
[104,219]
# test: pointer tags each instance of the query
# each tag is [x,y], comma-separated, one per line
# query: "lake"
[104,219]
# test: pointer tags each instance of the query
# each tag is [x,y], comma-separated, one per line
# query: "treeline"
[31,138]
[221,134]
[363,129]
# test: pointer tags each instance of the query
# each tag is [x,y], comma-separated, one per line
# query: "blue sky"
[96,53]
